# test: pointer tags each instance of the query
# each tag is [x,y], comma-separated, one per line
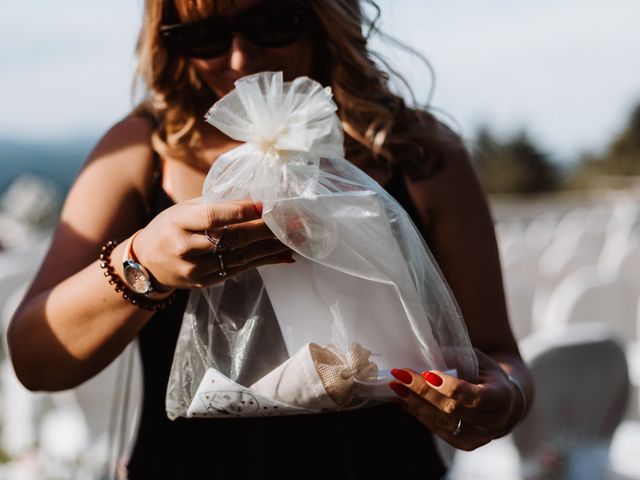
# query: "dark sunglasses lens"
[203,41]
[264,26]
[275,28]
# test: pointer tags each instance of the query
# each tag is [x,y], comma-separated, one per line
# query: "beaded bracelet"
[120,286]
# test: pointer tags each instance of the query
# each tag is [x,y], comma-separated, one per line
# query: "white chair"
[520,279]
[588,296]
[582,387]
[570,252]
[625,461]
[19,433]
[94,411]
[109,405]
[508,232]
[21,407]
[95,408]
[633,360]
[540,231]
[519,296]
[630,265]
[625,210]
[576,245]
[12,285]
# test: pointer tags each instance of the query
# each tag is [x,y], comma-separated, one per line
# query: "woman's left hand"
[465,415]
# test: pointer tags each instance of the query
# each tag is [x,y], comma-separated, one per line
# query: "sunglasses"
[264,25]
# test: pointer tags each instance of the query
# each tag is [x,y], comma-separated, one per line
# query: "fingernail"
[400,389]
[432,378]
[402,375]
[258,208]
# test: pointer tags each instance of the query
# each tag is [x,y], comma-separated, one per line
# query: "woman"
[142,182]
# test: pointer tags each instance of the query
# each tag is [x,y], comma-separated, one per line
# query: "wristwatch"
[136,276]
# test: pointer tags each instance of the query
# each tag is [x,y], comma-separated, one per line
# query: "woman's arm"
[71,323]
[461,237]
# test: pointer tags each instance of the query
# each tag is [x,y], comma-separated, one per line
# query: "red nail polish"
[432,378]
[400,389]
[402,375]
[257,208]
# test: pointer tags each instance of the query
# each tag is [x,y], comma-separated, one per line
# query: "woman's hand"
[486,410]
[177,252]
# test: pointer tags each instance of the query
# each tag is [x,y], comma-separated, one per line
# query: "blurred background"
[546,95]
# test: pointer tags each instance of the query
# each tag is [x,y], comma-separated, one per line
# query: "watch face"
[136,278]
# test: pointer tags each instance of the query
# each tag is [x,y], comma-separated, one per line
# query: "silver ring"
[218,246]
[458,429]
[222,272]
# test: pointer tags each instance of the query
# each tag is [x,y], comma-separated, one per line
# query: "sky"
[567,71]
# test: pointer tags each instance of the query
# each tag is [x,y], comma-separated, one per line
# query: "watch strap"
[130,260]
[120,286]
[128,249]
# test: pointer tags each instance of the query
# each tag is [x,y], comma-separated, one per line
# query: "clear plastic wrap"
[364,296]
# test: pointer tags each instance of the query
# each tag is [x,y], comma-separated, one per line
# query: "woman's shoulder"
[132,134]
[124,154]
[133,127]
[115,180]
[442,152]
[444,183]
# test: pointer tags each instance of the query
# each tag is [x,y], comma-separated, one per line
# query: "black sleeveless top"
[346,445]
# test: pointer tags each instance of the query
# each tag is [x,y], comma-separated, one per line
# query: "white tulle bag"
[364,295]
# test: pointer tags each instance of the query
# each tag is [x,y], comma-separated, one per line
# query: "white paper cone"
[218,396]
[296,382]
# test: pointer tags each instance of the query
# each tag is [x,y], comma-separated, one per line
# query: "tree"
[621,157]
[515,166]
[623,154]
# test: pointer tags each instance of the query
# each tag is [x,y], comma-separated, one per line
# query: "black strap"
[156,187]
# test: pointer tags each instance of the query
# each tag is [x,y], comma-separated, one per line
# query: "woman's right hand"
[175,249]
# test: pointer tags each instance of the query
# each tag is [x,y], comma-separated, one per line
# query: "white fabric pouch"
[364,296]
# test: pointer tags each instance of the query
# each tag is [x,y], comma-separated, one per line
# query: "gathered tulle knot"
[287,128]
[276,117]
[268,146]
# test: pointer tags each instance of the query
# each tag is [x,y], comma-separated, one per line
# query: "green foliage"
[623,154]
[621,158]
[4,457]
[513,166]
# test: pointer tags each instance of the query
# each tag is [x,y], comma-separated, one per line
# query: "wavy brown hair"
[381,130]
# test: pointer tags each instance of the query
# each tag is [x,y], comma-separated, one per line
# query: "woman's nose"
[242,53]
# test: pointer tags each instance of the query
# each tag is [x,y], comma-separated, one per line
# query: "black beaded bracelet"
[120,286]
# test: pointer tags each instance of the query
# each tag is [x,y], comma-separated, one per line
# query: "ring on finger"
[218,246]
[458,429]
[222,272]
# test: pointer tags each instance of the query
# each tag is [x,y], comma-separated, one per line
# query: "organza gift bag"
[364,295]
